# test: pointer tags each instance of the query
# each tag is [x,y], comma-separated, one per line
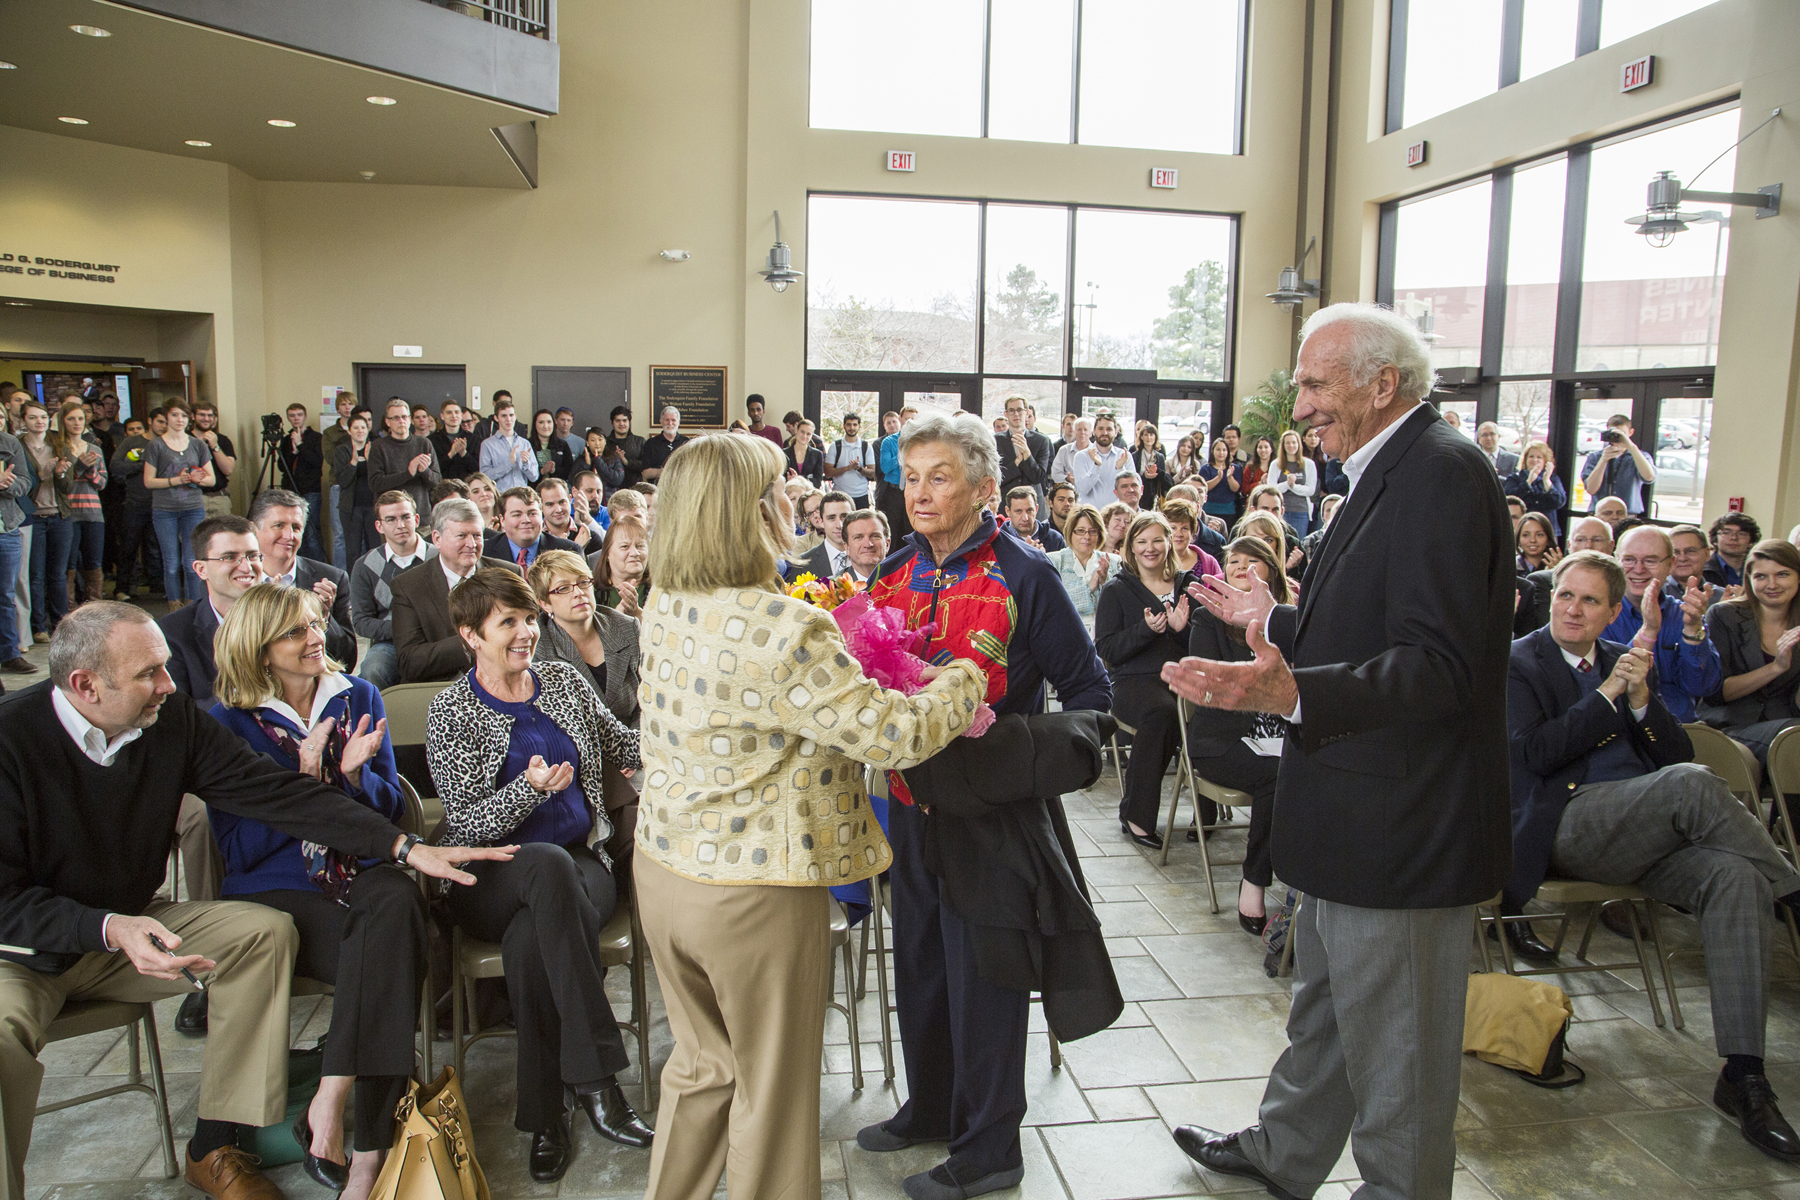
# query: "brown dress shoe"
[230,1174]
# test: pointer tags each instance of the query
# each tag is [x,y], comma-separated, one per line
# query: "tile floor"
[1201,1026]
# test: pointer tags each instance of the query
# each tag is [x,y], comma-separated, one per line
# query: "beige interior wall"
[1734,47]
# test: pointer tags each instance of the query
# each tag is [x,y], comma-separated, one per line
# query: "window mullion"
[1396,81]
[1075,84]
[1493,316]
[1512,34]
[987,60]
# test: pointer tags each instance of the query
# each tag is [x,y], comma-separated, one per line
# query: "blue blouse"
[564,816]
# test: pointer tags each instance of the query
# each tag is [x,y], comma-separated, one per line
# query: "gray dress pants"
[1682,837]
[1374,1052]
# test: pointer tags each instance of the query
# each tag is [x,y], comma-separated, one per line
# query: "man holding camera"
[1619,468]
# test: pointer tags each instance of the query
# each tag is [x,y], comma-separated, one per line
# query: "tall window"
[1154,74]
[1533,267]
[1443,54]
[1440,270]
[1153,290]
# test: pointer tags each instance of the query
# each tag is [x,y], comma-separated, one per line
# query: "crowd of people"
[586,661]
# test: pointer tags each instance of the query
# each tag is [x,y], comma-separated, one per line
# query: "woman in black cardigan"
[1757,634]
[1216,737]
[1140,623]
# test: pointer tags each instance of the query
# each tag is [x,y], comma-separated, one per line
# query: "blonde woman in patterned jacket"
[756,726]
[517,750]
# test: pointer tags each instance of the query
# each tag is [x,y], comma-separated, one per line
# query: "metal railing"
[534,17]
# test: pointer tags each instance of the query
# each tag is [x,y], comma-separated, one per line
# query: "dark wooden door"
[429,385]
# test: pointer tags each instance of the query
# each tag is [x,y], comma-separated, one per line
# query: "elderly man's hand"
[1232,606]
[1265,684]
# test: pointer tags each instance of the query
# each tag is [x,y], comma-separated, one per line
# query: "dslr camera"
[1606,435]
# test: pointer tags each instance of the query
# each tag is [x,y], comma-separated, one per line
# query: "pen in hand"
[186,974]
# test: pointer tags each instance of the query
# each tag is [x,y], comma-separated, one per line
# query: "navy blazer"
[1551,730]
[189,632]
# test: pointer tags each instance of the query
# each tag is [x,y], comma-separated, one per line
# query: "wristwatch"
[406,847]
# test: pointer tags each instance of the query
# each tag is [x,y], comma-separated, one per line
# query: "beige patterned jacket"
[756,723]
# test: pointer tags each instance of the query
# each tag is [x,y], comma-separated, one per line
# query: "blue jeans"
[49,592]
[83,547]
[339,557]
[11,545]
[381,665]
[312,542]
[175,532]
[1301,521]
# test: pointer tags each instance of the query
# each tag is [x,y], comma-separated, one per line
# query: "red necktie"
[1585,667]
[523,564]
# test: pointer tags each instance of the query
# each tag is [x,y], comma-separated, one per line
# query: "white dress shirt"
[452,577]
[87,735]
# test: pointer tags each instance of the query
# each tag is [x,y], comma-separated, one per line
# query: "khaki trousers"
[201,862]
[217,505]
[243,1076]
[744,972]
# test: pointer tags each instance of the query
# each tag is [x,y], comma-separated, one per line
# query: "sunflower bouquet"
[822,593]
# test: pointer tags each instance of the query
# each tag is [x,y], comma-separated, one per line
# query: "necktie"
[1585,666]
[523,564]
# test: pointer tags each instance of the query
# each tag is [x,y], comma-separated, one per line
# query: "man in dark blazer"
[1024,452]
[425,639]
[521,537]
[1391,806]
[1604,788]
[831,557]
[279,517]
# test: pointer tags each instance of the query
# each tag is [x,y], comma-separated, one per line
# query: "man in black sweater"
[87,811]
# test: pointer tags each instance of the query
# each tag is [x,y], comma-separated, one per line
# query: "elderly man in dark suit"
[1391,806]
[425,638]
[280,518]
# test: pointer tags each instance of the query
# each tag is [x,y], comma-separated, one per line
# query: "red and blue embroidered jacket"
[999,602]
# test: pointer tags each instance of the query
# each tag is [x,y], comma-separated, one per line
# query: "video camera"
[271,428]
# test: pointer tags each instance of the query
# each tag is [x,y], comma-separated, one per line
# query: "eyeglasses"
[578,585]
[1633,560]
[232,560]
[298,633]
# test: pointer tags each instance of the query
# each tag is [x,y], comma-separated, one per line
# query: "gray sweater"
[12,454]
[371,599]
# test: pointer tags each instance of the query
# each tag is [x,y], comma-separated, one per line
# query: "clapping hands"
[547,779]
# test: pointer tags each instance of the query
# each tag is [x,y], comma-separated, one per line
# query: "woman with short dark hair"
[518,750]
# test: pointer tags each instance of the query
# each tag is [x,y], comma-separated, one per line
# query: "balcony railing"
[534,17]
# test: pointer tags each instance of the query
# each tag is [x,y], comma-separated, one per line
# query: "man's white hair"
[1379,337]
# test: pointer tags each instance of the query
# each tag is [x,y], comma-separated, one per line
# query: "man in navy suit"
[521,537]
[1604,789]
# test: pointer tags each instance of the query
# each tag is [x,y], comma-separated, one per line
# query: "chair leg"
[1055,1052]
[1118,766]
[427,1023]
[862,954]
[136,1073]
[856,1071]
[1637,940]
[881,982]
[458,1018]
[1168,833]
[1212,889]
[1668,978]
[1499,924]
[1487,963]
[640,998]
[153,1052]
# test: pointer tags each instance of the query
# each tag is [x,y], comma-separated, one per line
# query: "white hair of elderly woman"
[1379,337]
[971,437]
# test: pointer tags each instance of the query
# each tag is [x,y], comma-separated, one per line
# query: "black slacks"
[1146,703]
[546,909]
[373,953]
[1242,768]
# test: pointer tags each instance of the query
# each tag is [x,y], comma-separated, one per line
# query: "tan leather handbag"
[432,1158]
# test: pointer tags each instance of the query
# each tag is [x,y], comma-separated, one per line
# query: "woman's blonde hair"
[260,616]
[1143,521]
[719,495]
[1258,518]
[1549,455]
[551,563]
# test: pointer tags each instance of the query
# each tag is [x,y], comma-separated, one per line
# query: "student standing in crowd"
[372,597]
[1402,658]
[1185,463]
[1223,480]
[754,407]
[361,920]
[43,520]
[301,457]
[1261,464]
[329,442]
[176,467]
[457,453]
[354,524]
[15,486]
[486,499]
[1024,452]
[805,458]
[740,919]
[1094,471]
[507,458]
[76,564]
[629,445]
[403,461]
[654,455]
[1151,463]
[555,460]
[850,463]
[1732,536]
[1619,468]
[217,498]
[890,491]
[1295,477]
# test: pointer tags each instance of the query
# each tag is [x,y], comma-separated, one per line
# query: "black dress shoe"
[1526,944]
[1752,1101]
[1220,1152]
[1253,926]
[1145,840]
[550,1152]
[322,1171]
[614,1118]
[190,1019]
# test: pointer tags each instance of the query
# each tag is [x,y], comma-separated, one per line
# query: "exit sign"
[1639,72]
[1163,177]
[1415,154]
[900,160]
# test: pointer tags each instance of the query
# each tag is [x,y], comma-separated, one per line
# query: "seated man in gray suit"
[425,638]
[1604,789]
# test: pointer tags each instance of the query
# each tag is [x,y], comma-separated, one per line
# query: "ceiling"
[157,82]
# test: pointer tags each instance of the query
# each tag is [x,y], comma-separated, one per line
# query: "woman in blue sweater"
[361,921]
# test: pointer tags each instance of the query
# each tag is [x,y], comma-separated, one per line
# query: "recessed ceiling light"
[384,101]
[198,142]
[72,120]
[91,31]
[367,174]
[18,304]
[278,123]
[6,66]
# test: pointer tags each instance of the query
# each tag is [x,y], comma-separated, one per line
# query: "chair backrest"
[408,710]
[1730,760]
[1784,760]
[412,817]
